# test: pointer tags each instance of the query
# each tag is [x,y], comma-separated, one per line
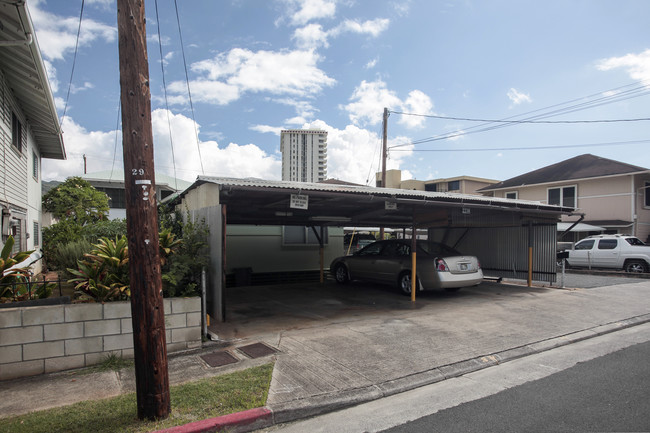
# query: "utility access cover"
[219,359]
[257,350]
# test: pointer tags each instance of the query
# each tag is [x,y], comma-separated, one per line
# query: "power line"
[617,94]
[162,69]
[523,121]
[187,81]
[74,61]
[565,146]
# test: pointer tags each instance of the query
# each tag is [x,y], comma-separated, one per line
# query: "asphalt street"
[598,384]
[605,394]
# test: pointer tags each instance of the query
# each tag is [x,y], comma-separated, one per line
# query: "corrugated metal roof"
[390,193]
[117,176]
[26,76]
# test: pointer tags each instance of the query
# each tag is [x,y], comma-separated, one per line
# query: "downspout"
[564,233]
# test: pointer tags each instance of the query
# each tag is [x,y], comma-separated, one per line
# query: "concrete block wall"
[45,339]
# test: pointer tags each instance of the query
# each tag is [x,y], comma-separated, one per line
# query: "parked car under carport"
[438,266]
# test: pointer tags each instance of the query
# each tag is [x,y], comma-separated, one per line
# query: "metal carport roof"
[267,202]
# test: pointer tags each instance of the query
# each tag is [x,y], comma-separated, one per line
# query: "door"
[582,253]
[606,253]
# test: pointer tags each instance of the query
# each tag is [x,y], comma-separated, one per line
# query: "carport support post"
[322,256]
[530,253]
[413,263]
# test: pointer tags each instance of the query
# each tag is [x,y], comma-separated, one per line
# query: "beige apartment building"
[612,195]
[459,184]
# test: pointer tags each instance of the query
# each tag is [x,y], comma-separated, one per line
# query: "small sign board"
[466,211]
[299,201]
[390,205]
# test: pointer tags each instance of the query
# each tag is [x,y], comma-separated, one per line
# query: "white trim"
[622,194]
[561,188]
[516,193]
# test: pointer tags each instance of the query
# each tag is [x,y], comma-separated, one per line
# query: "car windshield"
[635,241]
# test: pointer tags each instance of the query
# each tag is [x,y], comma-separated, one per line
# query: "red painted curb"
[230,421]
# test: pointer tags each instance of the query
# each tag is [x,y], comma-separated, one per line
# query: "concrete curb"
[291,411]
[245,421]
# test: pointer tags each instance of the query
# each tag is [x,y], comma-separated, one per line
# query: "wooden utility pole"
[384,157]
[384,147]
[150,351]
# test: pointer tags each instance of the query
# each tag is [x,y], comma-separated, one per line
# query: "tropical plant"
[181,274]
[168,245]
[15,282]
[104,274]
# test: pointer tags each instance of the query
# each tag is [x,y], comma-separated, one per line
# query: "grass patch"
[111,362]
[206,398]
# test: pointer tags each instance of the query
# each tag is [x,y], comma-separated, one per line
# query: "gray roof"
[21,62]
[580,167]
[257,201]
[117,176]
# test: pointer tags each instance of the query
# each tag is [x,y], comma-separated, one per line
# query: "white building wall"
[304,155]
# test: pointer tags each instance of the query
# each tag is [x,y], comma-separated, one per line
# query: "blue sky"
[256,67]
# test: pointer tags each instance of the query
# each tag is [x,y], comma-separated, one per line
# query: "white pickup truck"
[611,251]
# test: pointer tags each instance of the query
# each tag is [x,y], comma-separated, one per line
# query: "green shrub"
[104,274]
[181,274]
[104,229]
[67,255]
[58,234]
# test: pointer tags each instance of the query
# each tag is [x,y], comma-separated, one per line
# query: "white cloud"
[369,99]
[636,65]
[267,128]
[419,103]
[518,97]
[234,160]
[371,64]
[97,145]
[229,75]
[308,10]
[311,36]
[370,27]
[57,35]
[353,153]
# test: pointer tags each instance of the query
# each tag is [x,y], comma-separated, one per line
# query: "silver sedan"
[438,266]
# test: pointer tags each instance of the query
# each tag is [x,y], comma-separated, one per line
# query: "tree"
[76,200]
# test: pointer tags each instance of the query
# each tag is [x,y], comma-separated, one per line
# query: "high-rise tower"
[304,155]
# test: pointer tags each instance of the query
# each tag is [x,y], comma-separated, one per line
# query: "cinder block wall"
[37,340]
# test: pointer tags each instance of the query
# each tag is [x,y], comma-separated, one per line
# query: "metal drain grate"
[218,359]
[257,350]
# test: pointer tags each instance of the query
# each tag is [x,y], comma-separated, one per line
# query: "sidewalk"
[356,358]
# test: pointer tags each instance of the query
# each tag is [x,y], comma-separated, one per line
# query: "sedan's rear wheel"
[404,283]
[341,274]
[635,266]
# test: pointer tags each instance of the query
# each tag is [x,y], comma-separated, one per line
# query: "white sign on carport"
[510,237]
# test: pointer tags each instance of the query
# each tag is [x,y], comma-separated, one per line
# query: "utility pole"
[384,148]
[384,157]
[150,351]
[84,163]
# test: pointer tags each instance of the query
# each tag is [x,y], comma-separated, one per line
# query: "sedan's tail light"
[441,266]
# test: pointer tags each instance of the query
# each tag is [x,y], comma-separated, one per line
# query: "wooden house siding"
[13,188]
